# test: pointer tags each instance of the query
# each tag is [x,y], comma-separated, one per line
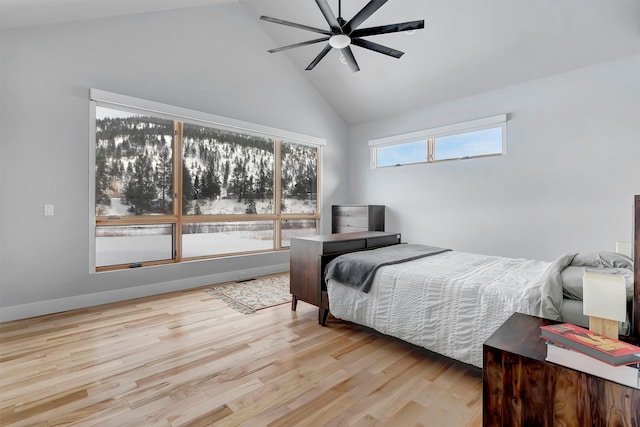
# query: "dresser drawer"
[350,211]
[349,229]
[383,241]
[344,246]
[351,221]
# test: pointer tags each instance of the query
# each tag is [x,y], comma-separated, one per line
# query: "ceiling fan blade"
[295,25]
[377,47]
[385,29]
[321,55]
[291,46]
[329,16]
[351,60]
[363,15]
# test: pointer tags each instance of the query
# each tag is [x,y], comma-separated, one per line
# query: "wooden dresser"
[349,219]
[310,255]
[519,388]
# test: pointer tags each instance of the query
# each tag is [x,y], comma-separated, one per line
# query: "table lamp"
[605,302]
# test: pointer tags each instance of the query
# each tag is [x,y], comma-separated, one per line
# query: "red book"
[609,350]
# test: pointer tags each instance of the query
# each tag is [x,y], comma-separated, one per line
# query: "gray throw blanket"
[548,303]
[357,269]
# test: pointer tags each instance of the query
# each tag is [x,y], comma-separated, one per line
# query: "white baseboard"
[40,308]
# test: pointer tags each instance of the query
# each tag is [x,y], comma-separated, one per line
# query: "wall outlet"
[48,210]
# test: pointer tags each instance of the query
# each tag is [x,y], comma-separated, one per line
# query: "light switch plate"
[48,210]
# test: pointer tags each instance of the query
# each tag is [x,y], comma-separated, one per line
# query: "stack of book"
[580,349]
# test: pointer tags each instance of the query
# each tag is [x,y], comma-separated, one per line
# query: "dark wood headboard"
[636,268]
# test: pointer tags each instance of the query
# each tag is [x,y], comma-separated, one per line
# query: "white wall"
[211,59]
[567,183]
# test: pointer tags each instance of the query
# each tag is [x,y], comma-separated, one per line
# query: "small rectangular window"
[472,139]
[130,244]
[297,228]
[223,238]
[401,154]
[484,142]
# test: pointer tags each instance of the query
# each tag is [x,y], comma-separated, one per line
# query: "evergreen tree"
[102,178]
[210,184]
[164,179]
[196,187]
[140,192]
[251,205]
[285,182]
[225,174]
[237,184]
[299,187]
[305,182]
[116,169]
[126,177]
[205,192]
[311,176]
[246,186]
[187,187]
[250,197]
[262,181]
[269,186]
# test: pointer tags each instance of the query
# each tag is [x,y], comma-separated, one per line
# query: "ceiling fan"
[344,33]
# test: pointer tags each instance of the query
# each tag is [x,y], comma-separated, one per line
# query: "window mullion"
[177,187]
[318,182]
[277,193]
[431,148]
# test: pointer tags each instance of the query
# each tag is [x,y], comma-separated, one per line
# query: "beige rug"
[255,294]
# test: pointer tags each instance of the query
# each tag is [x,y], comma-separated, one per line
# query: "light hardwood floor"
[186,359]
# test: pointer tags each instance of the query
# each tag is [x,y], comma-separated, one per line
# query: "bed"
[450,302]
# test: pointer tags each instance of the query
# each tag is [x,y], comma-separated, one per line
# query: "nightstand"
[310,255]
[520,388]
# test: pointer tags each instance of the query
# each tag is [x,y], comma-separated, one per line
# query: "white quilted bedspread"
[449,303]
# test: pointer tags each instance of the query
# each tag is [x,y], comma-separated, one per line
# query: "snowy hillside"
[223,172]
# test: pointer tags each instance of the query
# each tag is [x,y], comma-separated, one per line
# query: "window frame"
[429,136]
[181,116]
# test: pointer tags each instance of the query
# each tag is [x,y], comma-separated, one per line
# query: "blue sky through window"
[469,144]
[401,154]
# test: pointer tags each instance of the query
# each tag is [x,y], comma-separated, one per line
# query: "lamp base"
[606,327]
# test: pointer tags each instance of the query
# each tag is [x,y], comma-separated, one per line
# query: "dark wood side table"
[310,255]
[519,388]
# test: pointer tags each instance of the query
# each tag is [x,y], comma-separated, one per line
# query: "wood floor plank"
[188,359]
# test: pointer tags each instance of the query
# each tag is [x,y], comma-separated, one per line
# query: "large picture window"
[171,186]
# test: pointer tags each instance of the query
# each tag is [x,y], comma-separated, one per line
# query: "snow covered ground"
[218,207]
[153,244]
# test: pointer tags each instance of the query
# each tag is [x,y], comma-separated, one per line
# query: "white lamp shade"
[604,296]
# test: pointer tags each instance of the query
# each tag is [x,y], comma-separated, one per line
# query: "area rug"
[251,295]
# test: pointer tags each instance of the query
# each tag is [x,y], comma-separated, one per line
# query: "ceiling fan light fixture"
[339,41]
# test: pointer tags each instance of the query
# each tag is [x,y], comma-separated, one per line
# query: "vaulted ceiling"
[467,46]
